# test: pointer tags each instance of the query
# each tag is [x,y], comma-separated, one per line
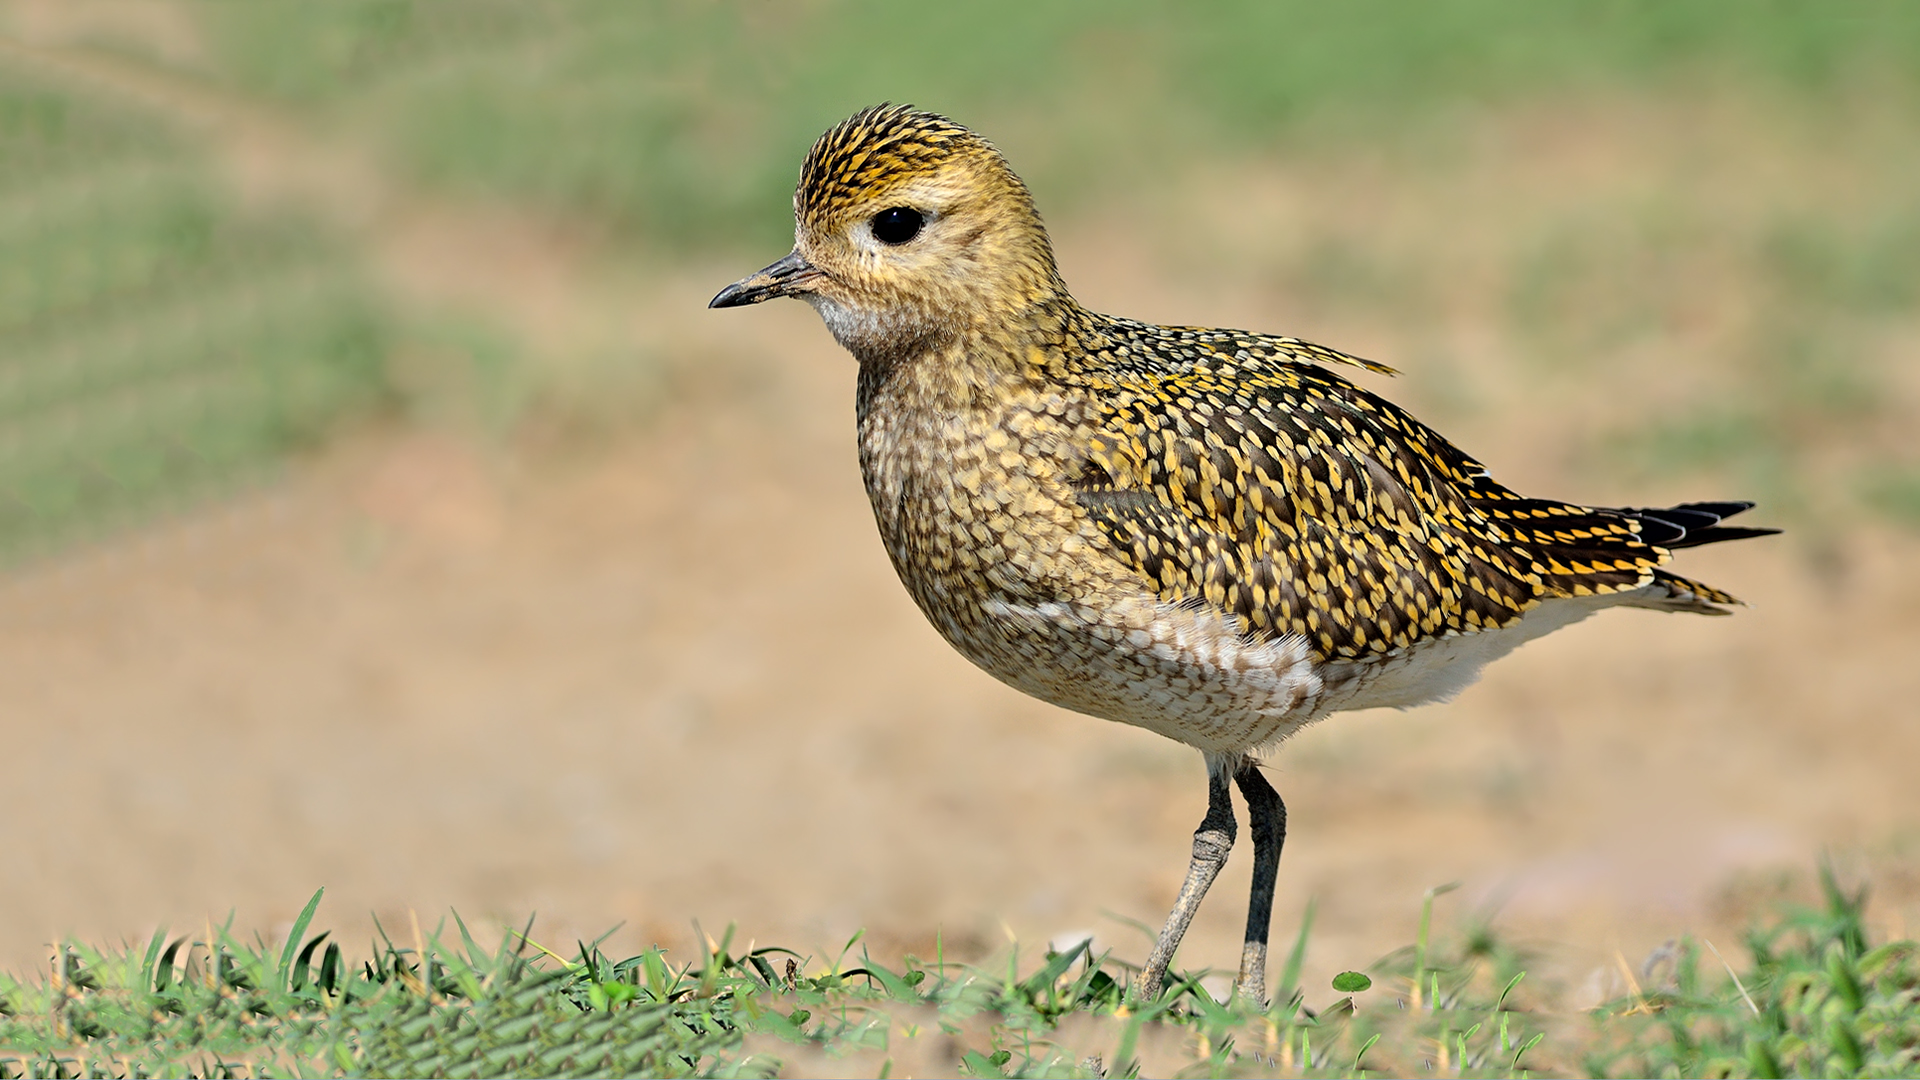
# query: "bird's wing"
[1279,491]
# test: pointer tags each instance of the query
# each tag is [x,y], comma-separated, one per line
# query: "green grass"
[1815,997]
[675,131]
[157,343]
[672,122]
[1896,493]
[669,131]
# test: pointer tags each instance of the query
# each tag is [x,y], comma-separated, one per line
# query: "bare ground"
[671,678]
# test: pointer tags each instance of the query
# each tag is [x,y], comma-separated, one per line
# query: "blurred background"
[381,508]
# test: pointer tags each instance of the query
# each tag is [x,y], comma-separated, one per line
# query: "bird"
[1211,534]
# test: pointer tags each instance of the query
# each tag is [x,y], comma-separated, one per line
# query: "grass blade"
[153,956]
[295,935]
[1296,956]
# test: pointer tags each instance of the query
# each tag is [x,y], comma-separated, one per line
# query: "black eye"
[897,224]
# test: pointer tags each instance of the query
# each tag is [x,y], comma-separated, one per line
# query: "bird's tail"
[1684,526]
[1693,524]
[1671,592]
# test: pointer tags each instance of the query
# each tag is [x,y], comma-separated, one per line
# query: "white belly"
[1440,668]
[1184,672]
[1189,674]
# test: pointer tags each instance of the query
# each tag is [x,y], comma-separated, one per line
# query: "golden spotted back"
[1229,471]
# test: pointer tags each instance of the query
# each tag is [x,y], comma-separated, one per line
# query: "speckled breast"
[977,510]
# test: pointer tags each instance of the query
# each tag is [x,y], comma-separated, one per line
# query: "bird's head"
[907,227]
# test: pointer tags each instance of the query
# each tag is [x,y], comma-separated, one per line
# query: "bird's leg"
[1267,819]
[1211,842]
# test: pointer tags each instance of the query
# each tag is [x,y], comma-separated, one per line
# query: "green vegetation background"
[160,339]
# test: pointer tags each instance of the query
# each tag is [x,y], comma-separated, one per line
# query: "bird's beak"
[787,277]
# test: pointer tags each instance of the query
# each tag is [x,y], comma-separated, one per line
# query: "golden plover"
[1202,532]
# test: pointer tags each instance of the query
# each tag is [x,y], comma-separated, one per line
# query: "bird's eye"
[897,224]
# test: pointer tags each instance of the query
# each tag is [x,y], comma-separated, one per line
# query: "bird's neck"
[965,364]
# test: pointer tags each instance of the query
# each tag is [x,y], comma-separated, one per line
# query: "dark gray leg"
[1211,842]
[1267,818]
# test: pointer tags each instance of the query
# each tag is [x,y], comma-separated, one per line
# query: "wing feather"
[1279,491]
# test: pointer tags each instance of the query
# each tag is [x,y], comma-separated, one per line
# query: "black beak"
[787,277]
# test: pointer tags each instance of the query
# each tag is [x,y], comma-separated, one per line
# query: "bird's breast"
[973,497]
[976,503]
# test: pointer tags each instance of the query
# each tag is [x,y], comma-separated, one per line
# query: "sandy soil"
[670,678]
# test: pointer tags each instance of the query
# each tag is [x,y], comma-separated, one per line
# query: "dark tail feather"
[1684,594]
[1695,538]
[1693,524]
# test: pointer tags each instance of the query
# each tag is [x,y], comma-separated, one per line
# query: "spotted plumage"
[1208,533]
[1231,470]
